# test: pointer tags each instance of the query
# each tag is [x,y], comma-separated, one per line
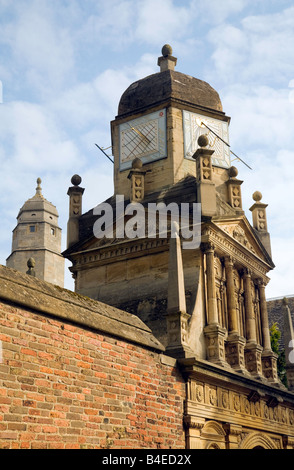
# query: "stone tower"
[37,240]
[205,302]
[170,144]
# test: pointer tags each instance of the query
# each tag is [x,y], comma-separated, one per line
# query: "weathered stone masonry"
[67,383]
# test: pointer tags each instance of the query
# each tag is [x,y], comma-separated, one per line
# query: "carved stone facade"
[221,416]
[209,310]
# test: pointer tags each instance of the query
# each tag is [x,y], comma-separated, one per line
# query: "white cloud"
[110,23]
[261,47]
[159,22]
[281,283]
[35,140]
[215,11]
[95,103]
[261,116]
[41,49]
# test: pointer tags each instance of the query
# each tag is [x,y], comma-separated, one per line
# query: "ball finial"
[203,140]
[285,301]
[137,163]
[257,196]
[166,50]
[31,263]
[39,181]
[233,172]
[76,180]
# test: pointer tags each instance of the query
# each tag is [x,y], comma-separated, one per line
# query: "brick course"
[67,386]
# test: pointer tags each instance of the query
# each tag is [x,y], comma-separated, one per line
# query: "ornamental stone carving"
[239,235]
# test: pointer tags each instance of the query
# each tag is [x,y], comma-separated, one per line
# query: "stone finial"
[206,193]
[75,194]
[137,178]
[233,172]
[234,189]
[259,213]
[257,196]
[137,163]
[38,188]
[259,220]
[203,141]
[76,180]
[31,264]
[166,50]
[167,61]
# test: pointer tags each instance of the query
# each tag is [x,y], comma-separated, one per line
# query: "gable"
[245,236]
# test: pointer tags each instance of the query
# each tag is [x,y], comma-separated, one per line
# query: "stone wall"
[275,314]
[67,381]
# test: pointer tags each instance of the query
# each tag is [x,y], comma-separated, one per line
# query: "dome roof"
[168,84]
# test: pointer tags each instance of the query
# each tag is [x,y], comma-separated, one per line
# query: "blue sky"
[65,63]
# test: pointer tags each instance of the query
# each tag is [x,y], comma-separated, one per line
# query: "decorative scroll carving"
[239,234]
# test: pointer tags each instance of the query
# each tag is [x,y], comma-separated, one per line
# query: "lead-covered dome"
[168,84]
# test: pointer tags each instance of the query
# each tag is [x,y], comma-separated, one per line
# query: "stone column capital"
[207,247]
[246,272]
[229,261]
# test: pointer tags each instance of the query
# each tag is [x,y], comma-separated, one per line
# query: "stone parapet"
[29,292]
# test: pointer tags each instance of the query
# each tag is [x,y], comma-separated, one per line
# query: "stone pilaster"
[252,349]
[231,297]
[269,358]
[235,342]
[212,314]
[193,427]
[215,335]
[233,435]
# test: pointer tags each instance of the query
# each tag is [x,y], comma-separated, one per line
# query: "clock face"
[195,125]
[143,138]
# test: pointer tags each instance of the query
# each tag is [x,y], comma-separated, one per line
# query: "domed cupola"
[159,121]
[168,84]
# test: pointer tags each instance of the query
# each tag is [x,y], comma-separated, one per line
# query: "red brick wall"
[62,386]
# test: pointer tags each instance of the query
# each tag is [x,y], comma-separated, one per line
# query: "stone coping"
[32,293]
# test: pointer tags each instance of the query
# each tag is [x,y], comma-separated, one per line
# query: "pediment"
[243,234]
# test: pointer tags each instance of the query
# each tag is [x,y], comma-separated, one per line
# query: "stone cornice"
[195,369]
[112,253]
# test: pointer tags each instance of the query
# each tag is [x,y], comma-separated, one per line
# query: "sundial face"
[217,133]
[144,138]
